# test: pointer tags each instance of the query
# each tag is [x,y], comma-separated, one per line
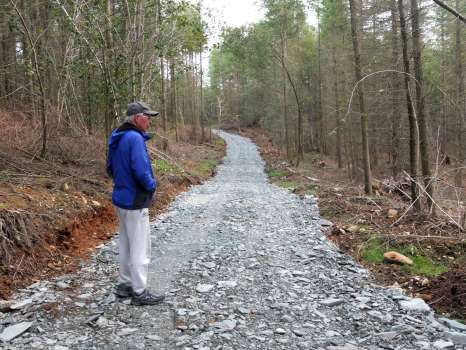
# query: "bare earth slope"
[245,265]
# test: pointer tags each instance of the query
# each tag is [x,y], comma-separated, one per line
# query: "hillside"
[54,211]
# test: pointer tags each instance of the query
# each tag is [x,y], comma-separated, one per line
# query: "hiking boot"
[146,298]
[124,290]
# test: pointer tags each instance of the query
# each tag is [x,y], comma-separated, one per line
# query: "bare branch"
[451,10]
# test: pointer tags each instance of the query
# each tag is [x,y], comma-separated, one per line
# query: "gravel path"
[244,265]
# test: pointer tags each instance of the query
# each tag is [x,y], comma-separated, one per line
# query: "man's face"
[142,122]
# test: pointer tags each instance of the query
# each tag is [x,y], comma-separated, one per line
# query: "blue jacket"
[130,167]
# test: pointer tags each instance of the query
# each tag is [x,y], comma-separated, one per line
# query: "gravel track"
[245,265]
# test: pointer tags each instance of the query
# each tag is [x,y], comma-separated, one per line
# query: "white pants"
[134,247]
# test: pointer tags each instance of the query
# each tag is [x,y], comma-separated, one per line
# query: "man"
[134,185]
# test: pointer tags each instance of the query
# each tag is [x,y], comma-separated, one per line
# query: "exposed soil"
[55,211]
[343,202]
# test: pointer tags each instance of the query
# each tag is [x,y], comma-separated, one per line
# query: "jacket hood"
[118,133]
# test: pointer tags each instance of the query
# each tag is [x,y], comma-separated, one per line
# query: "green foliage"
[425,267]
[245,70]
[374,249]
[288,184]
[4,176]
[277,173]
[161,167]
[206,167]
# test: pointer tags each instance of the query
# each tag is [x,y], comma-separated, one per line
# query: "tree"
[413,127]
[421,117]
[355,29]
[460,104]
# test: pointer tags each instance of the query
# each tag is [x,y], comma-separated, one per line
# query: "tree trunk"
[444,84]
[355,28]
[337,109]
[201,97]
[108,70]
[421,117]
[321,143]
[459,101]
[299,127]
[395,144]
[413,128]
[162,94]
[285,100]
[173,102]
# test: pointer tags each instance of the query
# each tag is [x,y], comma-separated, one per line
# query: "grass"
[373,251]
[288,184]
[425,267]
[161,166]
[207,166]
[4,176]
[277,173]
[374,248]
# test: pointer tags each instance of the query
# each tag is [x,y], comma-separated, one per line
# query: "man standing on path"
[134,186]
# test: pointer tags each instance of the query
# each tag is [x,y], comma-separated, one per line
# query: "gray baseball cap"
[140,107]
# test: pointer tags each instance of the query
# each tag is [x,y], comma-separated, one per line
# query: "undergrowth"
[277,173]
[162,166]
[374,249]
[207,167]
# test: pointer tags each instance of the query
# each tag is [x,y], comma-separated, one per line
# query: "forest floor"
[54,212]
[366,228]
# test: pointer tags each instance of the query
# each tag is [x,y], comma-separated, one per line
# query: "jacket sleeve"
[109,164]
[141,166]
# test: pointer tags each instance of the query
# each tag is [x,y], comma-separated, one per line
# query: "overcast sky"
[232,13]
[235,13]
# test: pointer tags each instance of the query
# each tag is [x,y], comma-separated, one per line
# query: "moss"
[425,267]
[374,249]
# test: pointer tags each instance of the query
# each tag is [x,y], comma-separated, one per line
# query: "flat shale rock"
[416,305]
[14,331]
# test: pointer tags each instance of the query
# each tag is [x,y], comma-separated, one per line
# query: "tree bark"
[421,115]
[444,84]
[459,101]
[201,97]
[173,102]
[355,28]
[109,115]
[321,142]
[162,94]
[413,128]
[285,100]
[337,109]
[395,144]
[455,13]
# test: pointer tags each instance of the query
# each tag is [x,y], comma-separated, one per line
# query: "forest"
[373,90]
[377,85]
